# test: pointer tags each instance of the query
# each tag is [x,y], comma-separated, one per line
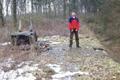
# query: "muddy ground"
[58,61]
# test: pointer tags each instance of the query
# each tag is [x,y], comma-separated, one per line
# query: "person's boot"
[77,44]
[70,44]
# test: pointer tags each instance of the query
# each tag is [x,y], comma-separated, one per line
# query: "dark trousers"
[76,38]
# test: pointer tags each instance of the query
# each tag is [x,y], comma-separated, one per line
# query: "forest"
[99,11]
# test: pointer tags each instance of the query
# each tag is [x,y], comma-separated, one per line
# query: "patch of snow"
[5,43]
[27,76]
[23,72]
[11,75]
[105,52]
[25,69]
[55,67]
[21,64]
[68,74]
[55,43]
[1,74]
[7,63]
[24,63]
[61,74]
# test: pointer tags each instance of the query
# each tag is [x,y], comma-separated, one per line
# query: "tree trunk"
[49,8]
[55,14]
[1,14]
[31,6]
[64,8]
[14,14]
[74,5]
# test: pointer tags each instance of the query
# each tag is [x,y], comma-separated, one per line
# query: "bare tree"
[1,14]
[14,9]
[7,6]
[64,8]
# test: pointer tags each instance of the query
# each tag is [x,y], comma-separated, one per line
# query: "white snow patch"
[27,76]
[62,74]
[104,52]
[5,43]
[55,43]
[7,63]
[55,67]
[68,74]
[17,75]
[23,72]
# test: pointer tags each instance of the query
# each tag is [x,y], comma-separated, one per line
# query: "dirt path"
[90,62]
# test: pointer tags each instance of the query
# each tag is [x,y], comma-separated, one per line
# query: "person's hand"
[72,30]
[76,30]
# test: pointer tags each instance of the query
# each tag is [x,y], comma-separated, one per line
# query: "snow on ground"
[22,71]
[68,74]
[62,74]
[5,43]
[25,71]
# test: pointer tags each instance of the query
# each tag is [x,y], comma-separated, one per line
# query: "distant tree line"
[110,18]
[48,7]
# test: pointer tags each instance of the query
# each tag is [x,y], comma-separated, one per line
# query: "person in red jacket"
[74,26]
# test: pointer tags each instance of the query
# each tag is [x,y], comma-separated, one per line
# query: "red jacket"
[73,23]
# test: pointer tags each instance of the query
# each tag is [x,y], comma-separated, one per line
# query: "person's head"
[73,14]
